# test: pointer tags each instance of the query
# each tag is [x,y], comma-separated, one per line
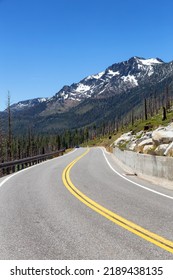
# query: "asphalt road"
[41,219]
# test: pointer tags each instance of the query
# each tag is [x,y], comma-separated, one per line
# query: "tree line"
[154,102]
[14,147]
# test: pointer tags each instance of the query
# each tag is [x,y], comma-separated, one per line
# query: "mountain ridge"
[120,74]
[121,84]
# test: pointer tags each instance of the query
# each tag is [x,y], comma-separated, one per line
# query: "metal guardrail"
[16,165]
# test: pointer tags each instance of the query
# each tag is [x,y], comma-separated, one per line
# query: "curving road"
[46,212]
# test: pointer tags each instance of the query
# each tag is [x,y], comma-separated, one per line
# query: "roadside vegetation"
[150,124]
[154,110]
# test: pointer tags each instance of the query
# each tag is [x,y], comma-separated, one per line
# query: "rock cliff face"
[158,142]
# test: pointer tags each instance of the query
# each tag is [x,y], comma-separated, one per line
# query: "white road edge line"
[25,169]
[139,185]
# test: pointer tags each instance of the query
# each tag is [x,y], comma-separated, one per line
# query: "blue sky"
[45,44]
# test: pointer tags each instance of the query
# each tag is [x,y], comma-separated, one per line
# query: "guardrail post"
[8,170]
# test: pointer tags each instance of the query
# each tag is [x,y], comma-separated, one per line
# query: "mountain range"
[105,96]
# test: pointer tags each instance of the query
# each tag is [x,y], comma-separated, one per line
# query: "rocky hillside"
[157,142]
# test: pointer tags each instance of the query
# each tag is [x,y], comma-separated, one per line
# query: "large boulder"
[170,126]
[148,141]
[148,149]
[162,135]
[131,145]
[143,136]
[144,143]
[169,150]
[125,138]
[160,150]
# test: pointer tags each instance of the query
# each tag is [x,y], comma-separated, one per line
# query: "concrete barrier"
[155,166]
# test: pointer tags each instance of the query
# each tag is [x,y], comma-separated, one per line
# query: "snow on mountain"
[82,88]
[131,79]
[112,73]
[150,61]
[116,79]
[96,76]
[28,104]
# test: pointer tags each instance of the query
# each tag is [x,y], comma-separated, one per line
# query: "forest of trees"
[31,144]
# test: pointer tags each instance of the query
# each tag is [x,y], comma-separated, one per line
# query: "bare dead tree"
[132,117]
[9,141]
[145,109]
[1,142]
[164,117]
[167,95]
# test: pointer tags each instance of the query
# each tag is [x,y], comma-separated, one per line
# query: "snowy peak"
[96,76]
[28,104]
[98,98]
[115,80]
[150,61]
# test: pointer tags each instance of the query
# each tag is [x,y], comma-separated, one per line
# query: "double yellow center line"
[128,225]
